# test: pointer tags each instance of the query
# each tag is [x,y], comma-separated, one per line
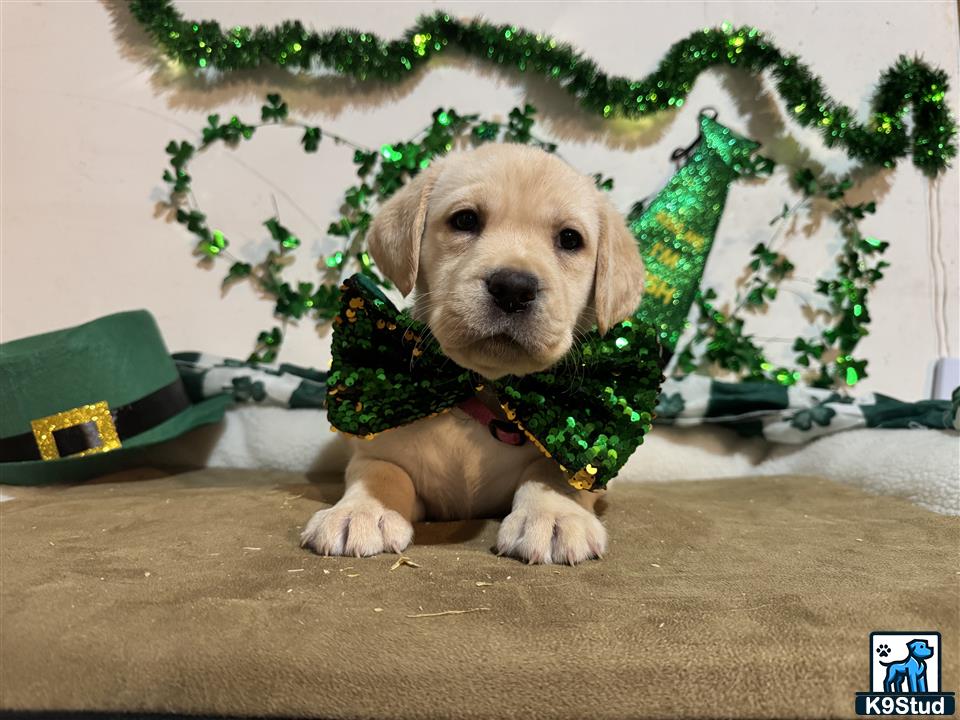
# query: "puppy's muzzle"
[513,291]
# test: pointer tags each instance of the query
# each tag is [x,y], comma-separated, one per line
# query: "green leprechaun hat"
[80,402]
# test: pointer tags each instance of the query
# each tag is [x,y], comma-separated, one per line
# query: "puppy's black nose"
[513,291]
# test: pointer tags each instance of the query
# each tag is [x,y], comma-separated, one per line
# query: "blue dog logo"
[911,671]
[905,676]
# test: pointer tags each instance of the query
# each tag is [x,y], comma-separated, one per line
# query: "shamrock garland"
[909,88]
[381,173]
[719,337]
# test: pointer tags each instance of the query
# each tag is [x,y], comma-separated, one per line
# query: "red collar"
[502,430]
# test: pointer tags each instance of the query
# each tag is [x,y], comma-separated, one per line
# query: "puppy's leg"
[550,522]
[372,517]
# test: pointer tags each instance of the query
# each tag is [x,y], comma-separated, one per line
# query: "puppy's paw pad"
[357,531]
[543,537]
[883,650]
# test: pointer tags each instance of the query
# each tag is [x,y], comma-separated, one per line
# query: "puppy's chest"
[457,466]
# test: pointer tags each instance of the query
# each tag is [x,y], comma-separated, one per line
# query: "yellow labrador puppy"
[511,253]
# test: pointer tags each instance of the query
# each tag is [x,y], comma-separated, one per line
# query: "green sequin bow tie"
[588,413]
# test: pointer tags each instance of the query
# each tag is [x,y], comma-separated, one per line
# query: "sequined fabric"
[588,413]
[677,230]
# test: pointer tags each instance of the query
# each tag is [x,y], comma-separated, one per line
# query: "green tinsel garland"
[718,340]
[881,140]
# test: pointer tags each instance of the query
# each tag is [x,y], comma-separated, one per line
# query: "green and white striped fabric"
[794,414]
[779,414]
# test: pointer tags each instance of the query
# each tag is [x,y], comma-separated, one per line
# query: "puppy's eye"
[465,221]
[569,239]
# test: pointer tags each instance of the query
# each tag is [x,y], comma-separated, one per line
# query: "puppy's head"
[512,252]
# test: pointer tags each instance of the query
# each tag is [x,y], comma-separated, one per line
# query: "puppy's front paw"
[552,535]
[357,530]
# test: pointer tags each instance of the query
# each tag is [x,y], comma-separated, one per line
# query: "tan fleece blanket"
[749,597]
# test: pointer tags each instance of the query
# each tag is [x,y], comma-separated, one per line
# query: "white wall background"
[87,108]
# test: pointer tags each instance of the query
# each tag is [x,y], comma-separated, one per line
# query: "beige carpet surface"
[751,597]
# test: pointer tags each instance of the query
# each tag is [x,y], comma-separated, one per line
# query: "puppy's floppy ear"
[619,280]
[395,235]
